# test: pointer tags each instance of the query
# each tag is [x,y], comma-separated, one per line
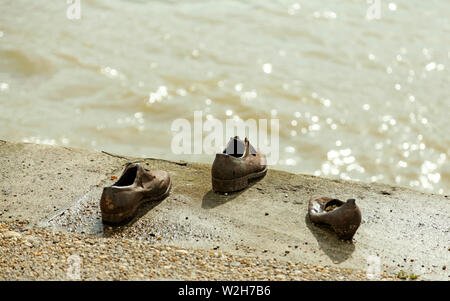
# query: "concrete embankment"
[48,191]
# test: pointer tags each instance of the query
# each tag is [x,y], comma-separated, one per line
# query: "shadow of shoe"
[213,199]
[336,249]
[110,230]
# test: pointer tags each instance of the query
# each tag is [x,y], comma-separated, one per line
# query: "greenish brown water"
[356,99]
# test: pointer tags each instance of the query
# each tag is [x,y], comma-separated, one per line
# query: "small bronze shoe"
[344,218]
[135,186]
[236,165]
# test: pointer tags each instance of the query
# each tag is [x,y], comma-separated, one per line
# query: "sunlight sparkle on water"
[392,6]
[159,95]
[292,10]
[267,68]
[4,86]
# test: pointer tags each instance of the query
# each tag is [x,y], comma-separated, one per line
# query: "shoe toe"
[163,179]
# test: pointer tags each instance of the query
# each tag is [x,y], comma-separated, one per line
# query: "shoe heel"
[229,185]
[110,214]
[345,232]
[117,218]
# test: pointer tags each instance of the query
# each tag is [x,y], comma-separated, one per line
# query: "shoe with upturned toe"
[135,186]
[343,218]
[236,165]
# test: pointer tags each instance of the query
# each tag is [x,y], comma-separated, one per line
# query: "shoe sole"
[220,185]
[121,218]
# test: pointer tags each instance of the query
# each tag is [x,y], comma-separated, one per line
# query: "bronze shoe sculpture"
[343,218]
[236,165]
[135,186]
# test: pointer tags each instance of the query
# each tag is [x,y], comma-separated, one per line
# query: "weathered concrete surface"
[37,180]
[407,230]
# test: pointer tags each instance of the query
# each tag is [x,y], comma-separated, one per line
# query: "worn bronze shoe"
[135,186]
[236,165]
[344,218]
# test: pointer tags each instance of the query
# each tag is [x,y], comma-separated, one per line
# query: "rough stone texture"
[405,229]
[37,180]
[43,255]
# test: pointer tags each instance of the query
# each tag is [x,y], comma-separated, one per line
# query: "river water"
[355,98]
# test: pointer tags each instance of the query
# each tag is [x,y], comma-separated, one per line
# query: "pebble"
[10,234]
[132,259]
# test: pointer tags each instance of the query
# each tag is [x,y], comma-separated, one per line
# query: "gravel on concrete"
[45,255]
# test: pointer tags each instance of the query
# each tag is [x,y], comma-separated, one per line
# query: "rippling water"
[356,99]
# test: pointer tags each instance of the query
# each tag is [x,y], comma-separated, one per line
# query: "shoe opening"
[333,204]
[128,178]
[235,148]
